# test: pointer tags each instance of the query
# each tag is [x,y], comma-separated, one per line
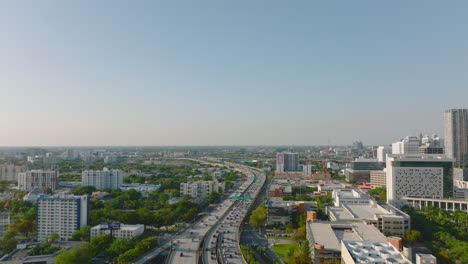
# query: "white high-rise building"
[62,215]
[102,179]
[418,176]
[456,134]
[382,152]
[408,145]
[28,181]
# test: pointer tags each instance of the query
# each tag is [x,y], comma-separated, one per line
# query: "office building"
[106,178]
[408,145]
[378,178]
[382,152]
[200,190]
[325,238]
[279,211]
[456,134]
[418,176]
[360,169]
[28,181]
[62,215]
[9,172]
[287,162]
[353,252]
[386,218]
[279,190]
[123,232]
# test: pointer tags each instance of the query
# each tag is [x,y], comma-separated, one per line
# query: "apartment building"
[29,180]
[106,178]
[62,215]
[200,190]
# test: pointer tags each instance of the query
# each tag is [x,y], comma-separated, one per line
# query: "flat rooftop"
[373,252]
[330,234]
[362,211]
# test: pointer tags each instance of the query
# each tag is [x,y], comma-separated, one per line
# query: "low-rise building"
[425,259]
[460,189]
[279,190]
[378,178]
[200,190]
[444,204]
[384,217]
[353,252]
[329,187]
[145,189]
[325,238]
[123,232]
[279,212]
[350,196]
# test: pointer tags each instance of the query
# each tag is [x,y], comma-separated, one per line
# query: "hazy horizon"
[223,73]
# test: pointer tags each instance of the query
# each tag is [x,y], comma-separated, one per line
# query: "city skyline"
[223,73]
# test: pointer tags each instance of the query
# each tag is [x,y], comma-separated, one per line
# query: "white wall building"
[350,196]
[382,152]
[29,180]
[201,189]
[307,170]
[416,176]
[143,188]
[125,231]
[408,145]
[62,215]
[102,179]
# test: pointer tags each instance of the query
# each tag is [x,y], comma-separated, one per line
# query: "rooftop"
[329,234]
[373,252]
[363,211]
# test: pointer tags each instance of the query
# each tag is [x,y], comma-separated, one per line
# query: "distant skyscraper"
[287,162]
[456,134]
[382,152]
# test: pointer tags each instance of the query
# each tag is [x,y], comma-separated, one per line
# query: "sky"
[225,72]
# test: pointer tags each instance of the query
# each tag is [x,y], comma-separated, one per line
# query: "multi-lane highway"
[221,244]
[226,218]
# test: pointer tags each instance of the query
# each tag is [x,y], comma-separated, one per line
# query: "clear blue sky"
[229,72]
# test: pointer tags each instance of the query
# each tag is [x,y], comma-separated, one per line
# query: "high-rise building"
[431,145]
[382,152]
[102,179]
[418,176]
[27,181]
[287,162]
[408,145]
[456,134]
[62,215]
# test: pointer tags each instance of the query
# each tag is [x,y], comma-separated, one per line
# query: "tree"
[8,242]
[25,227]
[119,246]
[80,255]
[81,235]
[258,217]
[47,190]
[52,238]
[100,243]
[214,197]
[84,190]
[412,236]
